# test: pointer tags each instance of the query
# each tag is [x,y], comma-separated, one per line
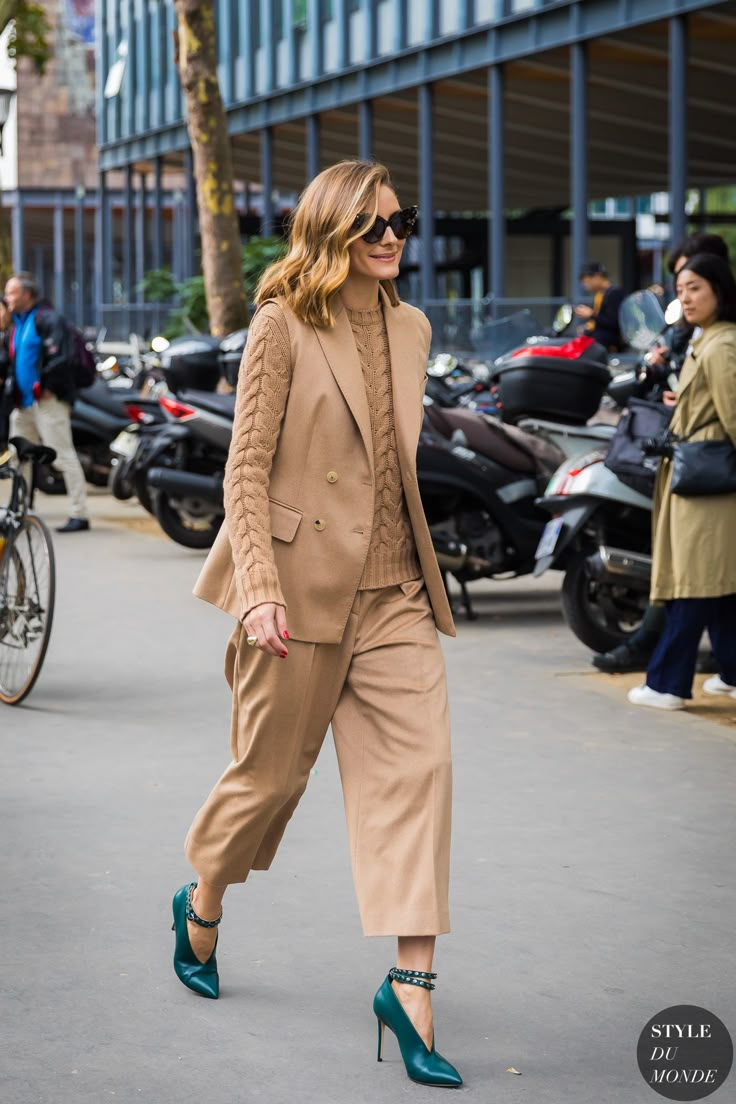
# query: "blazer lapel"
[338,346]
[405,381]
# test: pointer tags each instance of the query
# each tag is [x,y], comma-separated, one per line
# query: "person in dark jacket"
[601,320]
[40,353]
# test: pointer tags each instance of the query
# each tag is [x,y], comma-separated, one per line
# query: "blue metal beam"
[678,126]
[267,181]
[426,192]
[365,130]
[496,182]
[313,136]
[59,257]
[578,161]
[555,25]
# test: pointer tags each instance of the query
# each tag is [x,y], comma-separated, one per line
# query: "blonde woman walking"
[326,562]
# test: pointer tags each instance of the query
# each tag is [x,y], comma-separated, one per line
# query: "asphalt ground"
[592,880]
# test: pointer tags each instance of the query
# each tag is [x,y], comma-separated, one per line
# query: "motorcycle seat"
[104,398]
[210,400]
[483,436]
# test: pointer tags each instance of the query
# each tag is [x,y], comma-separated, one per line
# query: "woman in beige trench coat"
[326,562]
[694,565]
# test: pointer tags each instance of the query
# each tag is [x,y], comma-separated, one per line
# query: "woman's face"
[380,260]
[699,301]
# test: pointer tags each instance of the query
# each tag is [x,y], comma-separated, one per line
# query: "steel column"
[190,250]
[140,237]
[314,30]
[18,233]
[496,182]
[312,146]
[128,240]
[343,34]
[99,281]
[370,16]
[79,256]
[426,192]
[268,45]
[365,130]
[267,181]
[157,238]
[578,161]
[678,126]
[59,255]
[108,243]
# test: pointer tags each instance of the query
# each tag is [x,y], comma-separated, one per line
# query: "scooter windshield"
[492,339]
[641,319]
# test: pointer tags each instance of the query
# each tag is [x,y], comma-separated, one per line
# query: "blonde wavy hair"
[317,262]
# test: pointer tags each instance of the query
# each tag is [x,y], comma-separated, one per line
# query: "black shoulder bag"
[702,467]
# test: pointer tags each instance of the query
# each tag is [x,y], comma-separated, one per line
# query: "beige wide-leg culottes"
[384,690]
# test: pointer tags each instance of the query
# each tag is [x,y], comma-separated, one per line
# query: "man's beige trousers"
[48,422]
[384,690]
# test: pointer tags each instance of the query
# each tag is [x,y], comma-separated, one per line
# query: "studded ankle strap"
[412,977]
[193,916]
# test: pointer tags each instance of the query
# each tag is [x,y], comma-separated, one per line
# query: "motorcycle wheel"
[592,624]
[120,486]
[190,532]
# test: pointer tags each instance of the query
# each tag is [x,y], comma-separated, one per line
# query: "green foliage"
[258,254]
[159,286]
[31,31]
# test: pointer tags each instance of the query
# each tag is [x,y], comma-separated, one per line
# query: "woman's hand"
[669,398]
[267,622]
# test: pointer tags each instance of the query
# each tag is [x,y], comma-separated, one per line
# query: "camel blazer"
[321,490]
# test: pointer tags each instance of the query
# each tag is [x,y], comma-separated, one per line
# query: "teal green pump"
[201,977]
[422,1065]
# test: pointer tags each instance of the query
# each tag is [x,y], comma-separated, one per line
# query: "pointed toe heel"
[200,977]
[422,1065]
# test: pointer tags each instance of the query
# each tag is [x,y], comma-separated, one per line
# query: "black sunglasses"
[402,223]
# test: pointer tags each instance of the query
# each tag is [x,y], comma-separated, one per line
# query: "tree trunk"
[213,168]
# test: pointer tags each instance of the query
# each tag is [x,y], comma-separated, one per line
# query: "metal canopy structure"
[541,104]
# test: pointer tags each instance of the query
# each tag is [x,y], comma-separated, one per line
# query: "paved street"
[592,866]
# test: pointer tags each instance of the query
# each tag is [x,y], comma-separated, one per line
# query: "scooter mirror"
[442,365]
[563,318]
[159,344]
[673,314]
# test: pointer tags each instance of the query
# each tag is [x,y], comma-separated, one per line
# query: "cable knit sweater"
[392,555]
[259,410]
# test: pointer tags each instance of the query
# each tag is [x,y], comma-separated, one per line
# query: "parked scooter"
[600,531]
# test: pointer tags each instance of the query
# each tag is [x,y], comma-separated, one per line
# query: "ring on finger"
[251,641]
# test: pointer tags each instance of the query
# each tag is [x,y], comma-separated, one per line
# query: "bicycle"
[27,577]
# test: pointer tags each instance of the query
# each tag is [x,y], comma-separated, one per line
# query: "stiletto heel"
[422,1065]
[381,1026]
[201,977]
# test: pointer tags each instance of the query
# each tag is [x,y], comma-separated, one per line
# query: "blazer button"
[319,524]
[332,477]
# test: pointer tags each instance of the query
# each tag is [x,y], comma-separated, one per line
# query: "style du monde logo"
[685,1052]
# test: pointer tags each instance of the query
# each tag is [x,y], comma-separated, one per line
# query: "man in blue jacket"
[40,362]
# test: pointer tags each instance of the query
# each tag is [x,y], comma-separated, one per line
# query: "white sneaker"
[644,695]
[716,685]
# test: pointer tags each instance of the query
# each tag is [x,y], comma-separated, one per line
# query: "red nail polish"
[284,655]
[286,635]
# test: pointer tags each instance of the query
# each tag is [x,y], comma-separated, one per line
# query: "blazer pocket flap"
[284,520]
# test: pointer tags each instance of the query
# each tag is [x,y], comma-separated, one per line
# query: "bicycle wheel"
[27,591]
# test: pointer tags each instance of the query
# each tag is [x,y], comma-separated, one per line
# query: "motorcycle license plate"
[125,443]
[548,543]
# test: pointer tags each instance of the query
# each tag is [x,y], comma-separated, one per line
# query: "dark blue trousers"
[672,667]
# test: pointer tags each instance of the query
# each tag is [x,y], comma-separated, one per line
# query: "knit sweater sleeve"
[263,388]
